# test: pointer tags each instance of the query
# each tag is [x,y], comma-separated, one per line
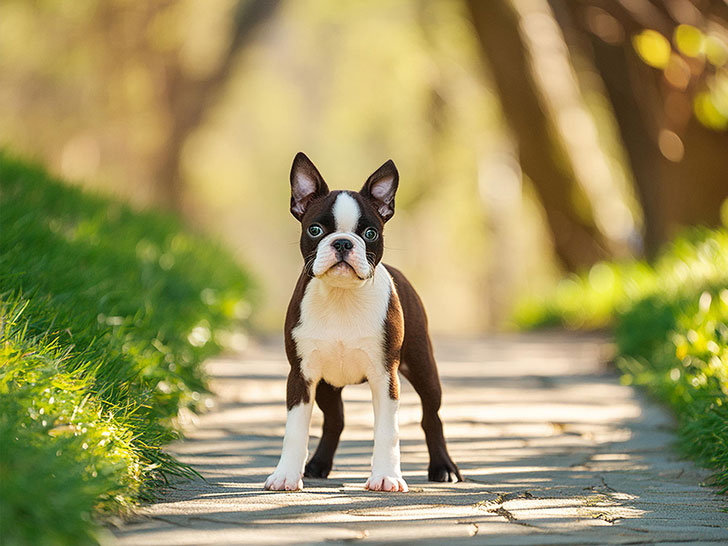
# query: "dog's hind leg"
[328,398]
[421,371]
[417,364]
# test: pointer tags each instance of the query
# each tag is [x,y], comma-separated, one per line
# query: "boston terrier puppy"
[353,319]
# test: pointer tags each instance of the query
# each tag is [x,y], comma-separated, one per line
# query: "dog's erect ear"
[380,189]
[306,184]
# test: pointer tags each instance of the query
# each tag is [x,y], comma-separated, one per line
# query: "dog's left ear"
[380,188]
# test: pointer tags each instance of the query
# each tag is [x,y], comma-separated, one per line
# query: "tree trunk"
[577,241]
[673,194]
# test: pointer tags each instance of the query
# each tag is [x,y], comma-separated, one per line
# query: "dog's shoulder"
[405,290]
[412,306]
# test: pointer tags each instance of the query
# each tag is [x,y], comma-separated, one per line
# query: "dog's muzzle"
[342,254]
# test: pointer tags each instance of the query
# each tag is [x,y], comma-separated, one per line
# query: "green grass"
[678,350]
[106,314]
[671,328]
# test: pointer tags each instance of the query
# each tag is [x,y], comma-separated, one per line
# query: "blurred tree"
[112,89]
[133,98]
[578,242]
[664,65]
[151,100]
[187,97]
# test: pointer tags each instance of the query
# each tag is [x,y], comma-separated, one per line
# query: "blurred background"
[533,137]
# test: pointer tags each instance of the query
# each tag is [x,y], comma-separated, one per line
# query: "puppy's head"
[341,231]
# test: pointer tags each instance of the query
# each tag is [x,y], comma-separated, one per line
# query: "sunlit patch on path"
[554,449]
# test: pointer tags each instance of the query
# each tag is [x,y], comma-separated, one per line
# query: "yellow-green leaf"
[652,47]
[689,40]
[707,113]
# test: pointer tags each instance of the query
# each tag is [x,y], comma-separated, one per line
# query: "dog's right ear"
[306,184]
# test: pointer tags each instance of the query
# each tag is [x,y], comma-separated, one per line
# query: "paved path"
[554,450]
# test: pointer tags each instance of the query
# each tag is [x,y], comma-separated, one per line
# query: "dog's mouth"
[341,267]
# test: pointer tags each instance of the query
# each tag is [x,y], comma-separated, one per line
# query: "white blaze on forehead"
[346,212]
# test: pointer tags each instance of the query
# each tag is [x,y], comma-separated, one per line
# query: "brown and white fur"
[353,319]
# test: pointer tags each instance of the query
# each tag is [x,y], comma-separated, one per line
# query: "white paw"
[379,482]
[284,480]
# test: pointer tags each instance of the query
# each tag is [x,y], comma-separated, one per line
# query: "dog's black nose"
[342,245]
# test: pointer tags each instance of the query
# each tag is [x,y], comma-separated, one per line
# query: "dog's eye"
[370,234]
[315,230]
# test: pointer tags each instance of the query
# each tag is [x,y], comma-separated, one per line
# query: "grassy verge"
[105,317]
[671,327]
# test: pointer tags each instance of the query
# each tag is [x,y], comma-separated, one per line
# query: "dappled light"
[545,448]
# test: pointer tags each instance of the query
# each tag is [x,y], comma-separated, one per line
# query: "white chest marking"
[340,335]
[346,213]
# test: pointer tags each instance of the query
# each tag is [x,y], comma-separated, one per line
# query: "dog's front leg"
[289,472]
[386,473]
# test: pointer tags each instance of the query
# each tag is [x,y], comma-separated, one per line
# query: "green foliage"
[106,315]
[678,350]
[593,300]
[671,328]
